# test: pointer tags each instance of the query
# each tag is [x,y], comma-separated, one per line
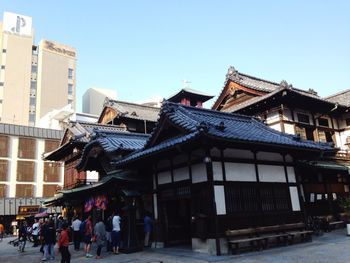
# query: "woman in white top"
[116,233]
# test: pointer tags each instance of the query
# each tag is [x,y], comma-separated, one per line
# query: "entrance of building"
[177,221]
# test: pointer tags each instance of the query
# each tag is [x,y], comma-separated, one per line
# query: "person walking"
[147,221]
[35,232]
[116,233]
[76,233]
[109,228]
[22,234]
[88,236]
[2,231]
[63,244]
[100,234]
[49,235]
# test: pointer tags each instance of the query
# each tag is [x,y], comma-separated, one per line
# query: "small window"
[2,66]
[1,83]
[70,89]
[70,73]
[303,118]
[32,101]
[34,68]
[31,118]
[70,102]
[323,122]
[4,51]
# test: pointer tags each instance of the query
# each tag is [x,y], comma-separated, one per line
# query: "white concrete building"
[94,98]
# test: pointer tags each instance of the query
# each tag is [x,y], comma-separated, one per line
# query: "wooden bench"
[243,236]
[297,230]
[260,237]
[335,224]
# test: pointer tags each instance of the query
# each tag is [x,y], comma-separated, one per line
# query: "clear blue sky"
[146,48]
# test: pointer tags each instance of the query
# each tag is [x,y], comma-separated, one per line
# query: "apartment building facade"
[39,78]
[25,179]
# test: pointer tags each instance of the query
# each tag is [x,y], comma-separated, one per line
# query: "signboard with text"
[17,24]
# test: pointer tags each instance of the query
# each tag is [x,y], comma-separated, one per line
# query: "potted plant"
[344,203]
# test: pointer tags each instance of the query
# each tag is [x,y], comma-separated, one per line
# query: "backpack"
[82,227]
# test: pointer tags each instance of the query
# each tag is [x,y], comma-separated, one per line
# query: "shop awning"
[56,200]
[327,165]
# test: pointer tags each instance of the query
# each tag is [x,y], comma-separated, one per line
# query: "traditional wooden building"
[303,113]
[135,117]
[214,171]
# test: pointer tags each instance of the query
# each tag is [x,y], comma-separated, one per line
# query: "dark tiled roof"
[114,142]
[82,130]
[193,92]
[28,131]
[342,97]
[133,110]
[220,126]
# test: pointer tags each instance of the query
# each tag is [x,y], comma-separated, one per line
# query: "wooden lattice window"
[241,198]
[25,171]
[4,146]
[49,190]
[51,145]
[51,172]
[3,170]
[301,131]
[26,148]
[24,190]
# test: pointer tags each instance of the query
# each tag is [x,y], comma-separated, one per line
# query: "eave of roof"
[193,92]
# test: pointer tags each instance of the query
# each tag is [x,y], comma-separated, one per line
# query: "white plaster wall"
[271,173]
[181,174]
[269,156]
[343,136]
[276,127]
[289,128]
[164,177]
[217,171]
[338,141]
[243,172]
[291,174]
[238,153]
[199,173]
[294,197]
[272,117]
[219,194]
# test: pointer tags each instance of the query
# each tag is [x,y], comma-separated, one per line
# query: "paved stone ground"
[331,247]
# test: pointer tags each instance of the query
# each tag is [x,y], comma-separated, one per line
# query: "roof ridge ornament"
[203,126]
[284,84]
[233,74]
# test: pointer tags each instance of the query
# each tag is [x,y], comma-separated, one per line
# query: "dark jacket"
[49,234]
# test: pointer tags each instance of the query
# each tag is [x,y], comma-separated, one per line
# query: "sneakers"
[43,259]
[89,255]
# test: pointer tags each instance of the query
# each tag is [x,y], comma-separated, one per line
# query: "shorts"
[115,238]
[87,239]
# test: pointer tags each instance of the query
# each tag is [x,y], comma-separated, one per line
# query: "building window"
[3,170]
[51,172]
[34,68]
[49,190]
[24,190]
[2,190]
[25,171]
[31,118]
[26,148]
[323,122]
[70,89]
[32,101]
[305,133]
[70,73]
[51,145]
[1,83]
[303,118]
[70,102]
[4,146]
[325,136]
[2,66]
[4,51]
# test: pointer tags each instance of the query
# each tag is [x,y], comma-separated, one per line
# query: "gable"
[166,131]
[108,114]
[234,94]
